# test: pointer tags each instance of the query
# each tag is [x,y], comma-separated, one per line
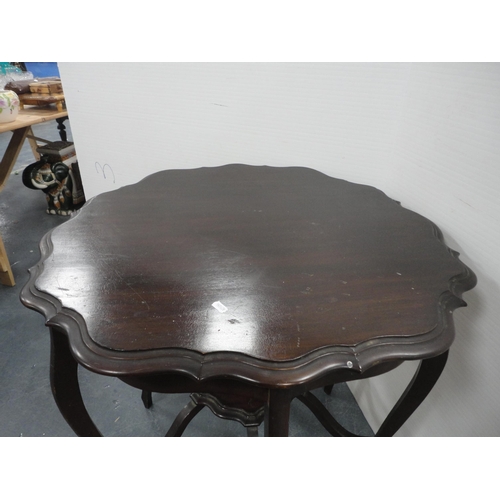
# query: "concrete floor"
[26,404]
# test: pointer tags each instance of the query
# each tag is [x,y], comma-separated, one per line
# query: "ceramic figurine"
[55,181]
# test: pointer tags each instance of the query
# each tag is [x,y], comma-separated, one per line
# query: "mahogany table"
[246,286]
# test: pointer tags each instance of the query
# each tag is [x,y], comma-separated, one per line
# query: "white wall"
[141,118]
[427,134]
[446,166]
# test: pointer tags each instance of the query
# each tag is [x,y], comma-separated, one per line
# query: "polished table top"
[272,275]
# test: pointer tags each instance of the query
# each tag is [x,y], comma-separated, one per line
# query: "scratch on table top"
[132,288]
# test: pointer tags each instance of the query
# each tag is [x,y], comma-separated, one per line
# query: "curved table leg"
[65,387]
[182,420]
[277,410]
[324,416]
[423,381]
[250,420]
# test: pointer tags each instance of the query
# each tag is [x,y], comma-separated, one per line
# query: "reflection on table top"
[302,263]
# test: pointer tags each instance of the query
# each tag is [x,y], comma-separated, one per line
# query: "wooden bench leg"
[6,276]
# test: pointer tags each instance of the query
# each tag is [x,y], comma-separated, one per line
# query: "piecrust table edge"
[356,359]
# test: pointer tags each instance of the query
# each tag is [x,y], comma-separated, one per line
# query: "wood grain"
[317,275]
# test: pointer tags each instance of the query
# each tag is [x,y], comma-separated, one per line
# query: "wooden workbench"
[21,130]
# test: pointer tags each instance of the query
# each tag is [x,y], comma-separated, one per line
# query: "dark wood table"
[247,287]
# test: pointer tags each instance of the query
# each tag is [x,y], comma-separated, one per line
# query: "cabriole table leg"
[423,381]
[182,420]
[65,387]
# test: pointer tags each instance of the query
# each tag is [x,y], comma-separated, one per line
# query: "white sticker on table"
[219,306]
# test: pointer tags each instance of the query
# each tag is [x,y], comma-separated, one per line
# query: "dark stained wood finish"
[324,416]
[183,419]
[65,387]
[323,281]
[250,420]
[423,381]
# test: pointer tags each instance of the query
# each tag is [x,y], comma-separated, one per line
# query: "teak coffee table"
[247,287]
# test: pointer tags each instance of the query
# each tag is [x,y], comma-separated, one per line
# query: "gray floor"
[26,404]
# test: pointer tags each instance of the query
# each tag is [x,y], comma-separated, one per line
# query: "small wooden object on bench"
[46,87]
[43,100]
